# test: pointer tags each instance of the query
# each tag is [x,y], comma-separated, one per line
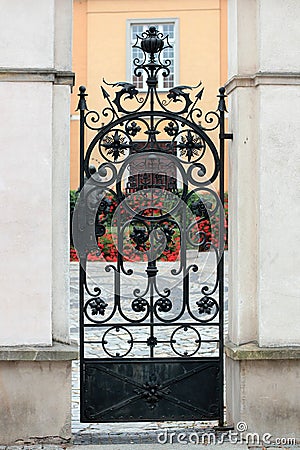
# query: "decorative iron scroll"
[153,181]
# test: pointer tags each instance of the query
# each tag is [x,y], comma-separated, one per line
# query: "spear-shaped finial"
[106,96]
[104,93]
[82,102]
[199,94]
[222,103]
[198,97]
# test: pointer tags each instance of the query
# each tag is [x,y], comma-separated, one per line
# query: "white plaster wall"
[26,216]
[263,36]
[233,391]
[279,244]
[279,35]
[60,218]
[242,37]
[269,397]
[27,33]
[264,300]
[264,178]
[232,40]
[61,171]
[63,35]
[35,34]
[243,210]
[35,400]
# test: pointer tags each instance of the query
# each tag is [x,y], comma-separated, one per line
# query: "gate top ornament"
[178,99]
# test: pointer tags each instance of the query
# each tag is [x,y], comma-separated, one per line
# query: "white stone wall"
[35,80]
[264,176]
[63,25]
[36,403]
[60,213]
[278,35]
[243,212]
[35,55]
[26,219]
[27,33]
[264,213]
[242,37]
[279,215]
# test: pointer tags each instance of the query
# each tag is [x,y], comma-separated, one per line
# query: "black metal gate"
[150,213]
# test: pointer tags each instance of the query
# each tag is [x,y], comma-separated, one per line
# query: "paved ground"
[134,433]
[225,446]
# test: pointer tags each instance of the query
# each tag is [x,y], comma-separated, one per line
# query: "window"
[166,27]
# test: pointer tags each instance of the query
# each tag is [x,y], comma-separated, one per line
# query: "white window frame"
[153,21]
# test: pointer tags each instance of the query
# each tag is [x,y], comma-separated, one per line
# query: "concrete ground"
[226,446]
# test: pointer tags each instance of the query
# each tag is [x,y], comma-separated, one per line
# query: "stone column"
[35,352]
[263,352]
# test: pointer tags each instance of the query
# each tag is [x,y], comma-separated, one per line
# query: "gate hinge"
[226,136]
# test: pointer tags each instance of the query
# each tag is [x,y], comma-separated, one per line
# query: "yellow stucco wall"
[100,48]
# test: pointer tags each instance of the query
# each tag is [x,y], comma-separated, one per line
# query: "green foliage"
[73,199]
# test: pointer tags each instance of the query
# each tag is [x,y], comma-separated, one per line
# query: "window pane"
[137,53]
[136,29]
[168,82]
[138,82]
[169,29]
[168,53]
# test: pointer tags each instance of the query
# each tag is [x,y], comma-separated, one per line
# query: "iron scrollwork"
[155,190]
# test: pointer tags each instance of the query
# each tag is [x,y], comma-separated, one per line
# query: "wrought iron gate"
[151,310]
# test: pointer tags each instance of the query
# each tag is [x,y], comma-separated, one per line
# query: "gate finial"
[82,102]
[152,43]
[222,103]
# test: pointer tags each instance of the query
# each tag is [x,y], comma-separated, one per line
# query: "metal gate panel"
[183,390]
[151,311]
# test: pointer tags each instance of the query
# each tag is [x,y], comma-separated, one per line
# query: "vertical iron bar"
[81,107]
[183,255]
[151,293]
[117,273]
[152,273]
[220,271]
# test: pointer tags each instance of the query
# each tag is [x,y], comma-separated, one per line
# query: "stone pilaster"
[35,85]
[264,300]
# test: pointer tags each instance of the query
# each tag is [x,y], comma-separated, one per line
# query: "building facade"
[103,35]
